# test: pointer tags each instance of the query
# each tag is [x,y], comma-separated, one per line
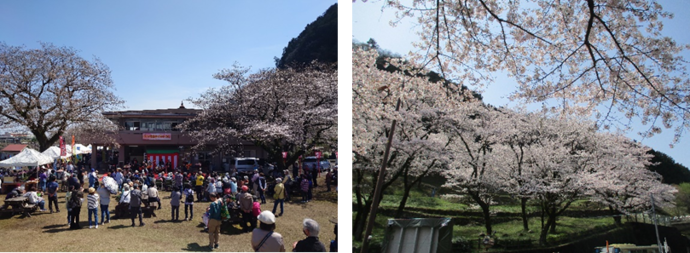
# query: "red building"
[151,135]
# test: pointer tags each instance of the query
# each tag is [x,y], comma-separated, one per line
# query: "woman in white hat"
[264,239]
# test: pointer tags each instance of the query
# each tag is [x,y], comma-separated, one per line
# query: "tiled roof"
[14,148]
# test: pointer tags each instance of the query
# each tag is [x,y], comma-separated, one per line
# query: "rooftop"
[14,148]
[180,112]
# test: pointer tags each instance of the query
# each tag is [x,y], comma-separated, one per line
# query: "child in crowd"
[94,202]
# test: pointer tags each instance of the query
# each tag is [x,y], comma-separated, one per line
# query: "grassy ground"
[49,232]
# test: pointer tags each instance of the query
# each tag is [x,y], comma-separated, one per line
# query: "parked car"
[245,165]
[309,161]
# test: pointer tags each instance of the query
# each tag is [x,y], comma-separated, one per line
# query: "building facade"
[151,135]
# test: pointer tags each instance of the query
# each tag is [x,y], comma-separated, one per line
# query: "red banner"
[167,158]
[73,147]
[63,151]
[284,155]
[157,136]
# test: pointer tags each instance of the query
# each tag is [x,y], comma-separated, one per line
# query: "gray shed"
[427,235]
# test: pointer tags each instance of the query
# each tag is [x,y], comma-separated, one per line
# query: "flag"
[73,152]
[63,151]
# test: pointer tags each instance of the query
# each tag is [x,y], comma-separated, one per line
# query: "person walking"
[74,206]
[214,221]
[105,203]
[93,202]
[188,202]
[135,205]
[264,239]
[310,228]
[246,205]
[52,194]
[279,196]
[175,197]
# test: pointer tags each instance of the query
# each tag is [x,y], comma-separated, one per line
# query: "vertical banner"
[63,151]
[73,152]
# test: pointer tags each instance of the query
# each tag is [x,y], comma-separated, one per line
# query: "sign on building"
[157,136]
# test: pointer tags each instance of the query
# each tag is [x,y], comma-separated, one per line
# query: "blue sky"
[368,21]
[162,52]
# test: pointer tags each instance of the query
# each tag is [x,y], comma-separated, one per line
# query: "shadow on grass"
[168,221]
[62,228]
[118,227]
[196,247]
[228,229]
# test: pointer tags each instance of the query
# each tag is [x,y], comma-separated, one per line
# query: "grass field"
[49,232]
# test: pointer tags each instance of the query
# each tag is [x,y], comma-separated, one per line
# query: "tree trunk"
[542,216]
[485,210]
[545,229]
[361,220]
[523,203]
[616,219]
[553,226]
[401,206]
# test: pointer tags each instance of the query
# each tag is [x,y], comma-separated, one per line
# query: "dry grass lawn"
[49,232]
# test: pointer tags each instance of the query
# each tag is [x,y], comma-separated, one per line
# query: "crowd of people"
[136,184]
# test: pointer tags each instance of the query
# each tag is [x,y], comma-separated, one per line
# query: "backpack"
[190,197]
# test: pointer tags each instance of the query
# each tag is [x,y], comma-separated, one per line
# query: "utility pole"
[658,241]
[379,186]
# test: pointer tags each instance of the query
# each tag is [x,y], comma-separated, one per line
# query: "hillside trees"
[418,148]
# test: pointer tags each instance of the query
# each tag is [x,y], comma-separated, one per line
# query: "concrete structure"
[151,135]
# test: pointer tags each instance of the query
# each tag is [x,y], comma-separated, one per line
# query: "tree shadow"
[196,247]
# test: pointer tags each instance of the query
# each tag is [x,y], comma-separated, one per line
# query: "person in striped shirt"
[93,202]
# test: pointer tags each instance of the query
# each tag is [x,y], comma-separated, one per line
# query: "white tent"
[81,149]
[54,152]
[28,157]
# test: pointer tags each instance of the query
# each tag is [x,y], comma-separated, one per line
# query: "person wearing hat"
[246,205]
[279,195]
[93,202]
[264,239]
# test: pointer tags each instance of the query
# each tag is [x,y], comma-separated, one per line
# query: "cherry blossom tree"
[625,184]
[49,89]
[475,132]
[588,54]
[280,110]
[418,147]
